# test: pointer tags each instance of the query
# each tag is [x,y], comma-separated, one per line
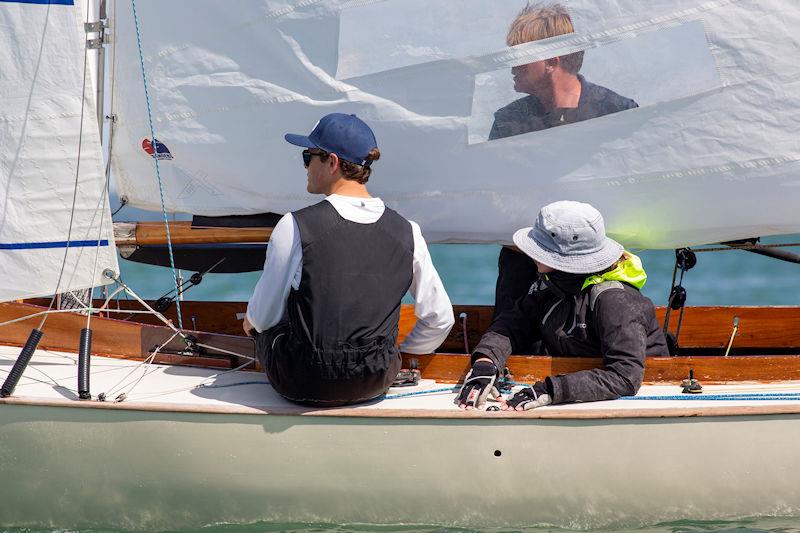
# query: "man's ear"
[333,163]
[552,64]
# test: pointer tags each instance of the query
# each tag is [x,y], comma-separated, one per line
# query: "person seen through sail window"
[556,95]
[585,302]
[325,311]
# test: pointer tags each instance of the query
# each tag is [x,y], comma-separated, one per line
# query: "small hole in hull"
[498,453]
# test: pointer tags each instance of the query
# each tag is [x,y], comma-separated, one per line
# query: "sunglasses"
[308,154]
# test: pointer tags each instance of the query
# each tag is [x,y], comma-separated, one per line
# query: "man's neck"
[563,93]
[345,187]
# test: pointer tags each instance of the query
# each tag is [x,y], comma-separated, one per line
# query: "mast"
[97,43]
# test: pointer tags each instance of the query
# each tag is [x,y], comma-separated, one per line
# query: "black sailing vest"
[347,307]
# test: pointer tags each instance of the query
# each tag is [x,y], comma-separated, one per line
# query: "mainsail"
[55,224]
[707,152]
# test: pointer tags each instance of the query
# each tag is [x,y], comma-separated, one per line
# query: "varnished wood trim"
[182,232]
[707,327]
[761,329]
[111,338]
[451,368]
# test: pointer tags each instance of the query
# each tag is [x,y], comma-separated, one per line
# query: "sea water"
[731,277]
[469,271]
[749,525]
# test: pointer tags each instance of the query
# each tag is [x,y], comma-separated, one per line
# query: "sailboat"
[170,427]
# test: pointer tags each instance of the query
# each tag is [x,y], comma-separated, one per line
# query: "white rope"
[226,352]
[145,364]
[200,385]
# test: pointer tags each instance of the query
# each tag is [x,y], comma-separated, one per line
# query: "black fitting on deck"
[21,363]
[84,355]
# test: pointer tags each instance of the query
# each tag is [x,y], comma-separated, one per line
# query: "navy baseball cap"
[347,136]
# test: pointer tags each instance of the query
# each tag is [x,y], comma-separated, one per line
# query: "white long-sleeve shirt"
[283,270]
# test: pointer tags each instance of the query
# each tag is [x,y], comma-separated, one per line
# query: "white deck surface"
[52,377]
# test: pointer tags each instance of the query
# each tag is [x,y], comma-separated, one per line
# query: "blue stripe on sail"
[62,2]
[54,244]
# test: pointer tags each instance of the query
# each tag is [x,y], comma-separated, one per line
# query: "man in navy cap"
[325,312]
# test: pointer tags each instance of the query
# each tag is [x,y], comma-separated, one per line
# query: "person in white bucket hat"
[586,302]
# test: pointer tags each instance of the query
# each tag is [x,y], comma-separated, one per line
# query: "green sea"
[750,525]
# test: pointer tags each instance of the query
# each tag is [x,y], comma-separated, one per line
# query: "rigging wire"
[155,158]
[147,362]
[745,247]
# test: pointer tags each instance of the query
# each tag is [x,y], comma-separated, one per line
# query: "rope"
[417,393]
[722,397]
[211,386]
[155,158]
[746,247]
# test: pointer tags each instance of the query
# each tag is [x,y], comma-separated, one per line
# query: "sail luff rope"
[155,158]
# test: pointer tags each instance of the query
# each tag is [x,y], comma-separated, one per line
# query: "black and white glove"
[478,385]
[531,397]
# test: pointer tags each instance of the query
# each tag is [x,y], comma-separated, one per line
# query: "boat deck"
[51,379]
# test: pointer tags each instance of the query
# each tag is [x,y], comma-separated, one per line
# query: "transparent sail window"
[655,67]
[398,33]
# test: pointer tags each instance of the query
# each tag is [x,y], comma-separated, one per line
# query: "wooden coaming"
[712,325]
[761,329]
[451,368]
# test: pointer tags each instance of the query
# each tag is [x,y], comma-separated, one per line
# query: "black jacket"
[528,114]
[612,319]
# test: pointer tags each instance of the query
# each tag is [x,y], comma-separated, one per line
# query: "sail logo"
[161,151]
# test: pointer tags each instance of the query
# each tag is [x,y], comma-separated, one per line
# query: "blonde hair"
[541,21]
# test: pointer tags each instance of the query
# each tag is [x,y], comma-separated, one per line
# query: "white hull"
[145,465]
[74,467]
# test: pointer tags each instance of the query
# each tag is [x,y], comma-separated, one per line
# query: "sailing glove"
[479,385]
[531,397]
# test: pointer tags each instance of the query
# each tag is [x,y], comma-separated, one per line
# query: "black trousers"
[342,375]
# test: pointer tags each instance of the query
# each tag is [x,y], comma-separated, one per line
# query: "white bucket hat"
[570,237]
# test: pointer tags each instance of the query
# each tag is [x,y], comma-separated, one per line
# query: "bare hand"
[248,328]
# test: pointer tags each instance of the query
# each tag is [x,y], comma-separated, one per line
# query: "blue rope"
[417,393]
[722,397]
[158,171]
[755,396]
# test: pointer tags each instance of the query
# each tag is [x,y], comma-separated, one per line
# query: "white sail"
[710,153]
[55,224]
